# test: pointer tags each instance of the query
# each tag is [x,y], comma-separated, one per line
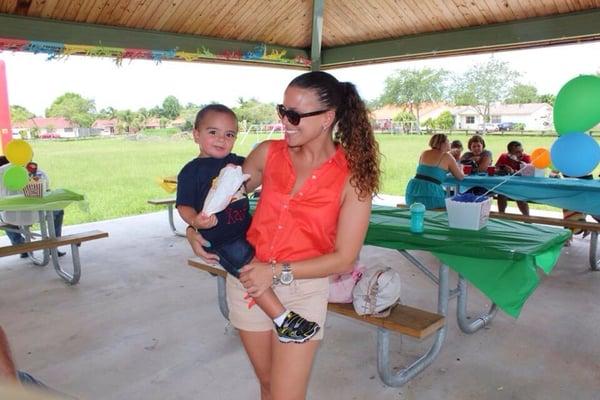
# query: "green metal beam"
[317,35]
[47,30]
[566,28]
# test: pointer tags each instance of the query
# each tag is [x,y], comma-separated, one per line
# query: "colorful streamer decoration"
[55,50]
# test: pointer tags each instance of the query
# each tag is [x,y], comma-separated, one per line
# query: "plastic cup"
[491,170]
[467,169]
[417,218]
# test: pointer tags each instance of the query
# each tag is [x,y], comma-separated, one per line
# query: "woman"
[434,164]
[477,156]
[310,221]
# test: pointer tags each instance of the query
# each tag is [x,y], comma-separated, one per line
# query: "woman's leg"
[291,368]
[258,346]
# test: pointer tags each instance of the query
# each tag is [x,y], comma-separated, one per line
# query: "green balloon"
[577,105]
[15,177]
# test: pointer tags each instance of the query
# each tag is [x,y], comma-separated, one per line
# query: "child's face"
[216,134]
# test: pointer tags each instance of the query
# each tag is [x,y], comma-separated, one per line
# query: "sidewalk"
[143,325]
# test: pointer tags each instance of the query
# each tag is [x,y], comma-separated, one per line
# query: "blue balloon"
[576,154]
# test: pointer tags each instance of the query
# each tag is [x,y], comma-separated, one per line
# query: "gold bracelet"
[275,277]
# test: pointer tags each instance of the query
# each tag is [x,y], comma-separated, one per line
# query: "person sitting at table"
[478,157]
[426,187]
[17,219]
[456,148]
[511,162]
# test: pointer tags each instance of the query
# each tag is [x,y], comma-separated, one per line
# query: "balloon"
[540,158]
[577,105]
[18,152]
[576,154]
[15,177]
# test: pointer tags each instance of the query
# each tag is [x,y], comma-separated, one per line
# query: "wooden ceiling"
[379,30]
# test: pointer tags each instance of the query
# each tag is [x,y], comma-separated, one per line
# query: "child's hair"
[354,130]
[220,108]
[476,139]
[456,144]
[512,145]
[437,140]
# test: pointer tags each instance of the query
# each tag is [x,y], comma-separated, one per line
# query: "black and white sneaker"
[296,329]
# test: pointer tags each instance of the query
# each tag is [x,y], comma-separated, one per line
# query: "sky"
[34,82]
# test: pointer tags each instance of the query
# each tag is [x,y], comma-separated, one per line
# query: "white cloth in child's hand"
[224,187]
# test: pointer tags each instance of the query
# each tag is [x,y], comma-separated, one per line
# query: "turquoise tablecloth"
[570,193]
[501,260]
[55,200]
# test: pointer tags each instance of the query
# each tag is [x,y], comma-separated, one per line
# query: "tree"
[255,112]
[412,88]
[20,114]
[107,113]
[405,119]
[483,85]
[445,120]
[171,107]
[125,120]
[547,98]
[74,108]
[522,94]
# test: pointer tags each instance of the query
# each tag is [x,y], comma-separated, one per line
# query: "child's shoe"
[296,329]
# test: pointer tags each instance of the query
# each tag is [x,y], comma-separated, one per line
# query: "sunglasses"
[293,117]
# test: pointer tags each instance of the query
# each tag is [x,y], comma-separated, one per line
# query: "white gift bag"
[224,187]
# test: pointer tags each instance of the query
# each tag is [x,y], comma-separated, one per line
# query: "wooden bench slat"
[166,201]
[51,243]
[591,226]
[403,319]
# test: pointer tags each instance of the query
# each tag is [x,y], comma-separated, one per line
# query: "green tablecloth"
[55,200]
[501,259]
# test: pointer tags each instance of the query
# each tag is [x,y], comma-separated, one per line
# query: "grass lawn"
[118,175]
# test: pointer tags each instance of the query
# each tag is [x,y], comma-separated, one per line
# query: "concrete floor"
[143,325]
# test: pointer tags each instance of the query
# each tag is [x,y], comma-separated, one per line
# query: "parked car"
[506,126]
[49,135]
[487,127]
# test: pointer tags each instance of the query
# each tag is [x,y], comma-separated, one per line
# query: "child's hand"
[203,221]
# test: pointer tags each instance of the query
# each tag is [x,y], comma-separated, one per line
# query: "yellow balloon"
[18,152]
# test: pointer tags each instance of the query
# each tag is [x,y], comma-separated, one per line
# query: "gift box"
[468,212]
[35,188]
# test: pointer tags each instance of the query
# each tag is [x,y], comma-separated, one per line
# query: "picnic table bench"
[512,276]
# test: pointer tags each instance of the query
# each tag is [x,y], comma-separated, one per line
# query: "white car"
[487,127]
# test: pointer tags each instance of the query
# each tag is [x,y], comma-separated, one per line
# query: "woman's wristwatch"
[286,276]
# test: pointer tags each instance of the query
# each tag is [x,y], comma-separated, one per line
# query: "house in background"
[49,128]
[152,123]
[105,127]
[535,116]
[383,118]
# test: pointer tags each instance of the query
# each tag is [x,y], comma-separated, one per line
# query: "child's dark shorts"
[233,255]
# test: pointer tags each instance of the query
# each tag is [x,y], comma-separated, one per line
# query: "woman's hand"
[256,277]
[203,221]
[197,241]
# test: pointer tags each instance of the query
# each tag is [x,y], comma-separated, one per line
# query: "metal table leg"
[172,222]
[402,376]
[72,279]
[474,324]
[222,291]
[594,262]
[26,232]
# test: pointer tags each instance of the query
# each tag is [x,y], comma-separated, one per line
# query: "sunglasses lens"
[292,116]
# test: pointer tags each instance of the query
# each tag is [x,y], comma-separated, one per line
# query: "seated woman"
[434,164]
[477,156]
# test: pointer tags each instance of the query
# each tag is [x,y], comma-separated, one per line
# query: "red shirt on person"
[293,228]
[505,159]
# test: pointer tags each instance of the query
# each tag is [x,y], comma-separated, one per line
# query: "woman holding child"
[310,221]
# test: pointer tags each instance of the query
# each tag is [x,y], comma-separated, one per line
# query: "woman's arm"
[254,165]
[485,160]
[352,227]
[7,366]
[453,167]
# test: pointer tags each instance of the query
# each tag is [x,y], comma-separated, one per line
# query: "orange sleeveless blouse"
[293,228]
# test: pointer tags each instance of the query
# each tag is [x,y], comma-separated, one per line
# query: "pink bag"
[341,285]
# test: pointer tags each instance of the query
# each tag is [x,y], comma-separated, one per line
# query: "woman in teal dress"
[434,164]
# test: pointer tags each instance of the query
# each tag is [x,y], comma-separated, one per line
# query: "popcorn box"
[468,215]
[35,188]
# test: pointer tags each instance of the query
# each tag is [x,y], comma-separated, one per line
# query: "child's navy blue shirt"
[194,182]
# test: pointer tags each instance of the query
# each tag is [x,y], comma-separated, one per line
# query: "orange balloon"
[540,158]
